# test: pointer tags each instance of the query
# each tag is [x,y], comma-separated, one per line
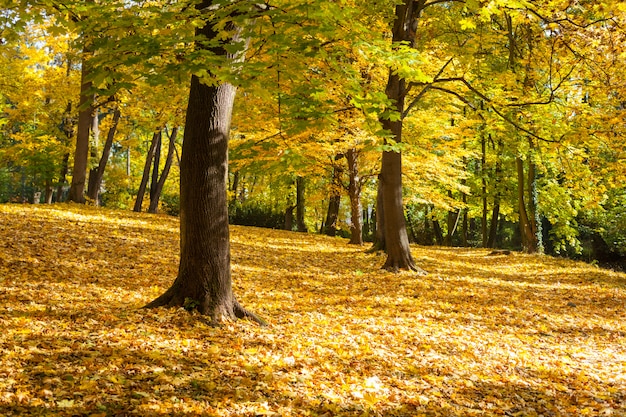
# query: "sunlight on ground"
[480,335]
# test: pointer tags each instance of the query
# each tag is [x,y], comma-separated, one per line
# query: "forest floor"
[481,335]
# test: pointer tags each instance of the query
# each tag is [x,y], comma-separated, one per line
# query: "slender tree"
[98,172]
[158,188]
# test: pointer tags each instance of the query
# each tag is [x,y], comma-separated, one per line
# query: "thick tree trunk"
[289,218]
[146,170]
[98,173]
[81,153]
[332,215]
[155,194]
[354,192]
[396,238]
[204,274]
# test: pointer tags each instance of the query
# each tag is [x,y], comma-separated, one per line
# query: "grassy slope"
[480,335]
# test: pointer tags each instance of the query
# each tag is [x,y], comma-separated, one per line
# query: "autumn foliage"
[488,335]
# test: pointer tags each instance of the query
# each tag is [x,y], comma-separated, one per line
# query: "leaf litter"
[481,335]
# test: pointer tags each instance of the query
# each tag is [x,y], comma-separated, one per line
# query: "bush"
[252,214]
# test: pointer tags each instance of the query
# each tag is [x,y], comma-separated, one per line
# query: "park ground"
[480,335]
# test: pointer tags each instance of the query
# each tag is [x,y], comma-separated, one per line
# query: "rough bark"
[354,192]
[204,275]
[396,238]
[146,171]
[81,152]
[98,173]
[155,194]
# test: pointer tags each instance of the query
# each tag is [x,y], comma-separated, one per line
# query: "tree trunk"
[204,274]
[533,213]
[529,241]
[93,154]
[495,213]
[289,217]
[62,177]
[81,153]
[438,232]
[379,221]
[483,174]
[49,192]
[396,238]
[354,192]
[332,215]
[155,171]
[300,205]
[452,223]
[234,187]
[98,173]
[146,170]
[158,188]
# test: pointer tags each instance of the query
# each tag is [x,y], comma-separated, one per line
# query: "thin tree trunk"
[98,173]
[483,174]
[234,187]
[495,213]
[155,171]
[300,188]
[529,243]
[379,221]
[146,171]
[49,192]
[158,189]
[533,213]
[63,177]
[204,275]
[332,215]
[354,192]
[438,233]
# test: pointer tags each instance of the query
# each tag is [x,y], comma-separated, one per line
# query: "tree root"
[167,299]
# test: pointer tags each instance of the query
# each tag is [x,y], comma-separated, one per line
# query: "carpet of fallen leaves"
[480,335]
